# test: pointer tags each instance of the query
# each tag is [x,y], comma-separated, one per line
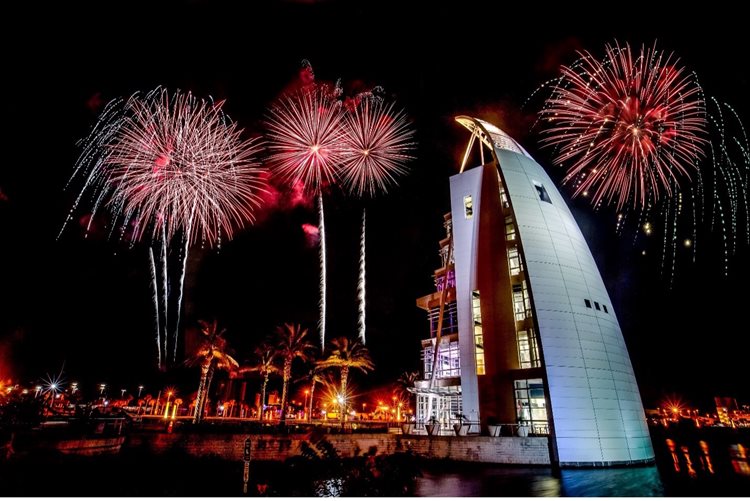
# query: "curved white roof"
[491,135]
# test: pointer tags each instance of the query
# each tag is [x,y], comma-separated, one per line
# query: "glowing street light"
[166,406]
[140,389]
[309,414]
[102,387]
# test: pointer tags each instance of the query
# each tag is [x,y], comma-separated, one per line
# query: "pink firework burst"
[305,137]
[169,163]
[629,126]
[378,143]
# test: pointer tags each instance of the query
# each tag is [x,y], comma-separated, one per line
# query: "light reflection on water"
[688,464]
[486,481]
[628,482]
[510,481]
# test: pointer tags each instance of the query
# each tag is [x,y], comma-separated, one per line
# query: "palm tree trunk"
[342,403]
[262,398]
[287,376]
[312,395]
[200,399]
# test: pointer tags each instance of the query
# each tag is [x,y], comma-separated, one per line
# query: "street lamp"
[122,392]
[309,414]
[102,387]
[166,406]
[140,389]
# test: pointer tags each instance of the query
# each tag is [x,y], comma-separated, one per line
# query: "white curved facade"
[594,407]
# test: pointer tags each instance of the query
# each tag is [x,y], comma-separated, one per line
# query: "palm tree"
[291,345]
[315,375]
[405,381]
[265,366]
[212,354]
[346,355]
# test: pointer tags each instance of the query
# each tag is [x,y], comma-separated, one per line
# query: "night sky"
[86,301]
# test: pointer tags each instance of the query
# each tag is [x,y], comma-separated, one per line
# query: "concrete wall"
[500,450]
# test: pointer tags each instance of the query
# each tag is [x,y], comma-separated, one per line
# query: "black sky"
[86,301]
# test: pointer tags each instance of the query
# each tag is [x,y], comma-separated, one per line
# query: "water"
[689,463]
[509,481]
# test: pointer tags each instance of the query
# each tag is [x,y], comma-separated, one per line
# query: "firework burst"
[177,162]
[378,143]
[169,166]
[629,127]
[305,132]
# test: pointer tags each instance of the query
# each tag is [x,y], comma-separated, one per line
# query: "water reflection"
[738,453]
[461,480]
[510,481]
[628,482]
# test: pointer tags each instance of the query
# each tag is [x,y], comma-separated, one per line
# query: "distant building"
[526,330]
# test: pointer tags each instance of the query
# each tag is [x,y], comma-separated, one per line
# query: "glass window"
[468,207]
[528,350]
[510,229]
[542,192]
[596,305]
[588,303]
[476,313]
[514,261]
[605,308]
[531,406]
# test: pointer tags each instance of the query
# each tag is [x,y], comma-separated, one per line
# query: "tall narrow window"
[510,229]
[476,313]
[531,406]
[468,207]
[514,261]
[542,192]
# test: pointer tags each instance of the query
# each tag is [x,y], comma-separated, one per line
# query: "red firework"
[305,137]
[168,163]
[629,127]
[378,143]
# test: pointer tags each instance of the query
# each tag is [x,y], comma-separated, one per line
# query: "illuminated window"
[588,303]
[528,350]
[510,229]
[448,360]
[468,207]
[531,406]
[514,261]
[542,192]
[476,313]
[521,301]
[605,308]
[596,305]
[503,197]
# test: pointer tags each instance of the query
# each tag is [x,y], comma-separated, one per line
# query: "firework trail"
[626,125]
[727,179]
[378,143]
[361,286]
[156,306]
[165,297]
[305,143]
[168,164]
